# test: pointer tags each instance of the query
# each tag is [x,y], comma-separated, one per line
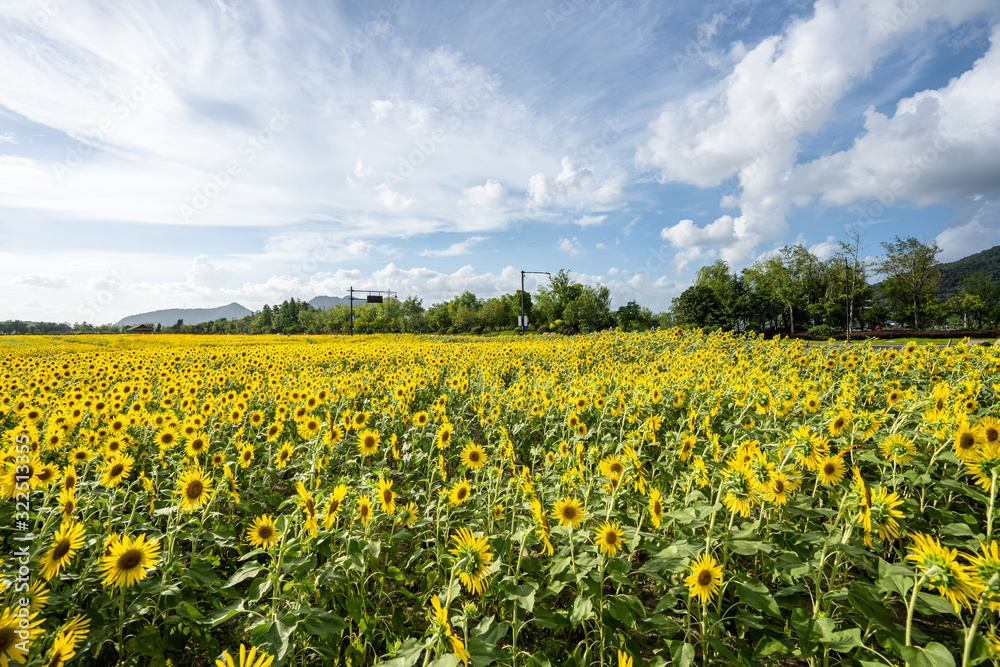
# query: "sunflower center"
[369,442]
[839,424]
[617,468]
[474,456]
[462,493]
[129,560]
[264,532]
[992,435]
[6,639]
[45,475]
[657,507]
[829,469]
[60,549]
[194,489]
[167,438]
[611,538]
[387,496]
[117,469]
[704,578]
[779,486]
[569,513]
[334,506]
[967,441]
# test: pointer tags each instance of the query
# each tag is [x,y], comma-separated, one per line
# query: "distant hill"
[953,273]
[169,317]
[327,302]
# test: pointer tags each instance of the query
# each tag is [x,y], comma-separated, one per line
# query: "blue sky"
[197,153]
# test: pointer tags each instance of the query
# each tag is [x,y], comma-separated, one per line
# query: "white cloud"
[574,185]
[46,281]
[781,89]
[825,249]
[456,249]
[938,145]
[206,274]
[685,234]
[7,138]
[590,220]
[571,246]
[392,200]
[360,174]
[491,197]
[976,233]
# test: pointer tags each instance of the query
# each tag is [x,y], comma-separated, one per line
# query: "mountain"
[953,273]
[327,302]
[169,317]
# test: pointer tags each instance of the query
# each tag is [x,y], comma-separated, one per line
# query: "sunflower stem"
[917,583]
[970,633]
[989,512]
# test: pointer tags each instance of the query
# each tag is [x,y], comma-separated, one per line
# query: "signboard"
[374,298]
[522,321]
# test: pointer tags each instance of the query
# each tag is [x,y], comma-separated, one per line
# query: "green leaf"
[548,620]
[278,636]
[757,595]
[582,610]
[681,654]
[859,596]
[932,655]
[258,589]
[407,654]
[220,616]
[843,641]
[188,611]
[895,578]
[249,570]
[447,660]
[524,595]
[322,623]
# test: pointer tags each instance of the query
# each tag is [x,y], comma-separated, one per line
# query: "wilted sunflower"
[656,507]
[262,532]
[386,496]
[408,515]
[473,456]
[128,559]
[194,489]
[251,659]
[569,513]
[473,559]
[68,539]
[705,578]
[459,493]
[368,441]
[117,469]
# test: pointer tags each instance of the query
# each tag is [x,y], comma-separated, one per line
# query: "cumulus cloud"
[825,249]
[491,197]
[785,87]
[590,220]
[971,234]
[685,234]
[574,185]
[205,273]
[571,246]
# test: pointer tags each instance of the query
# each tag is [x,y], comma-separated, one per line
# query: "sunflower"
[368,441]
[986,566]
[68,539]
[991,429]
[251,659]
[274,430]
[245,455]
[408,515]
[385,494]
[897,449]
[968,439]
[196,445]
[117,469]
[459,493]
[309,427]
[16,635]
[38,595]
[443,438]
[831,471]
[609,538]
[420,419]
[882,514]
[473,560]
[612,468]
[739,496]
[569,513]
[166,437]
[624,659]
[893,397]
[839,423]
[364,510]
[984,465]
[473,456]
[334,433]
[194,489]
[262,533]
[656,507]
[128,559]
[67,503]
[941,567]
[64,647]
[284,455]
[308,504]
[705,578]
[80,454]
[334,504]
[359,420]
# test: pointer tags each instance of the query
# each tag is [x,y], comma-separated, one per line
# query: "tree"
[697,305]
[912,276]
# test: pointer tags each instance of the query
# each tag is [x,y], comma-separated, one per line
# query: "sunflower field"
[667,498]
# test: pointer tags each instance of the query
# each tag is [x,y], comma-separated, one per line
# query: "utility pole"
[523,321]
[847,300]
